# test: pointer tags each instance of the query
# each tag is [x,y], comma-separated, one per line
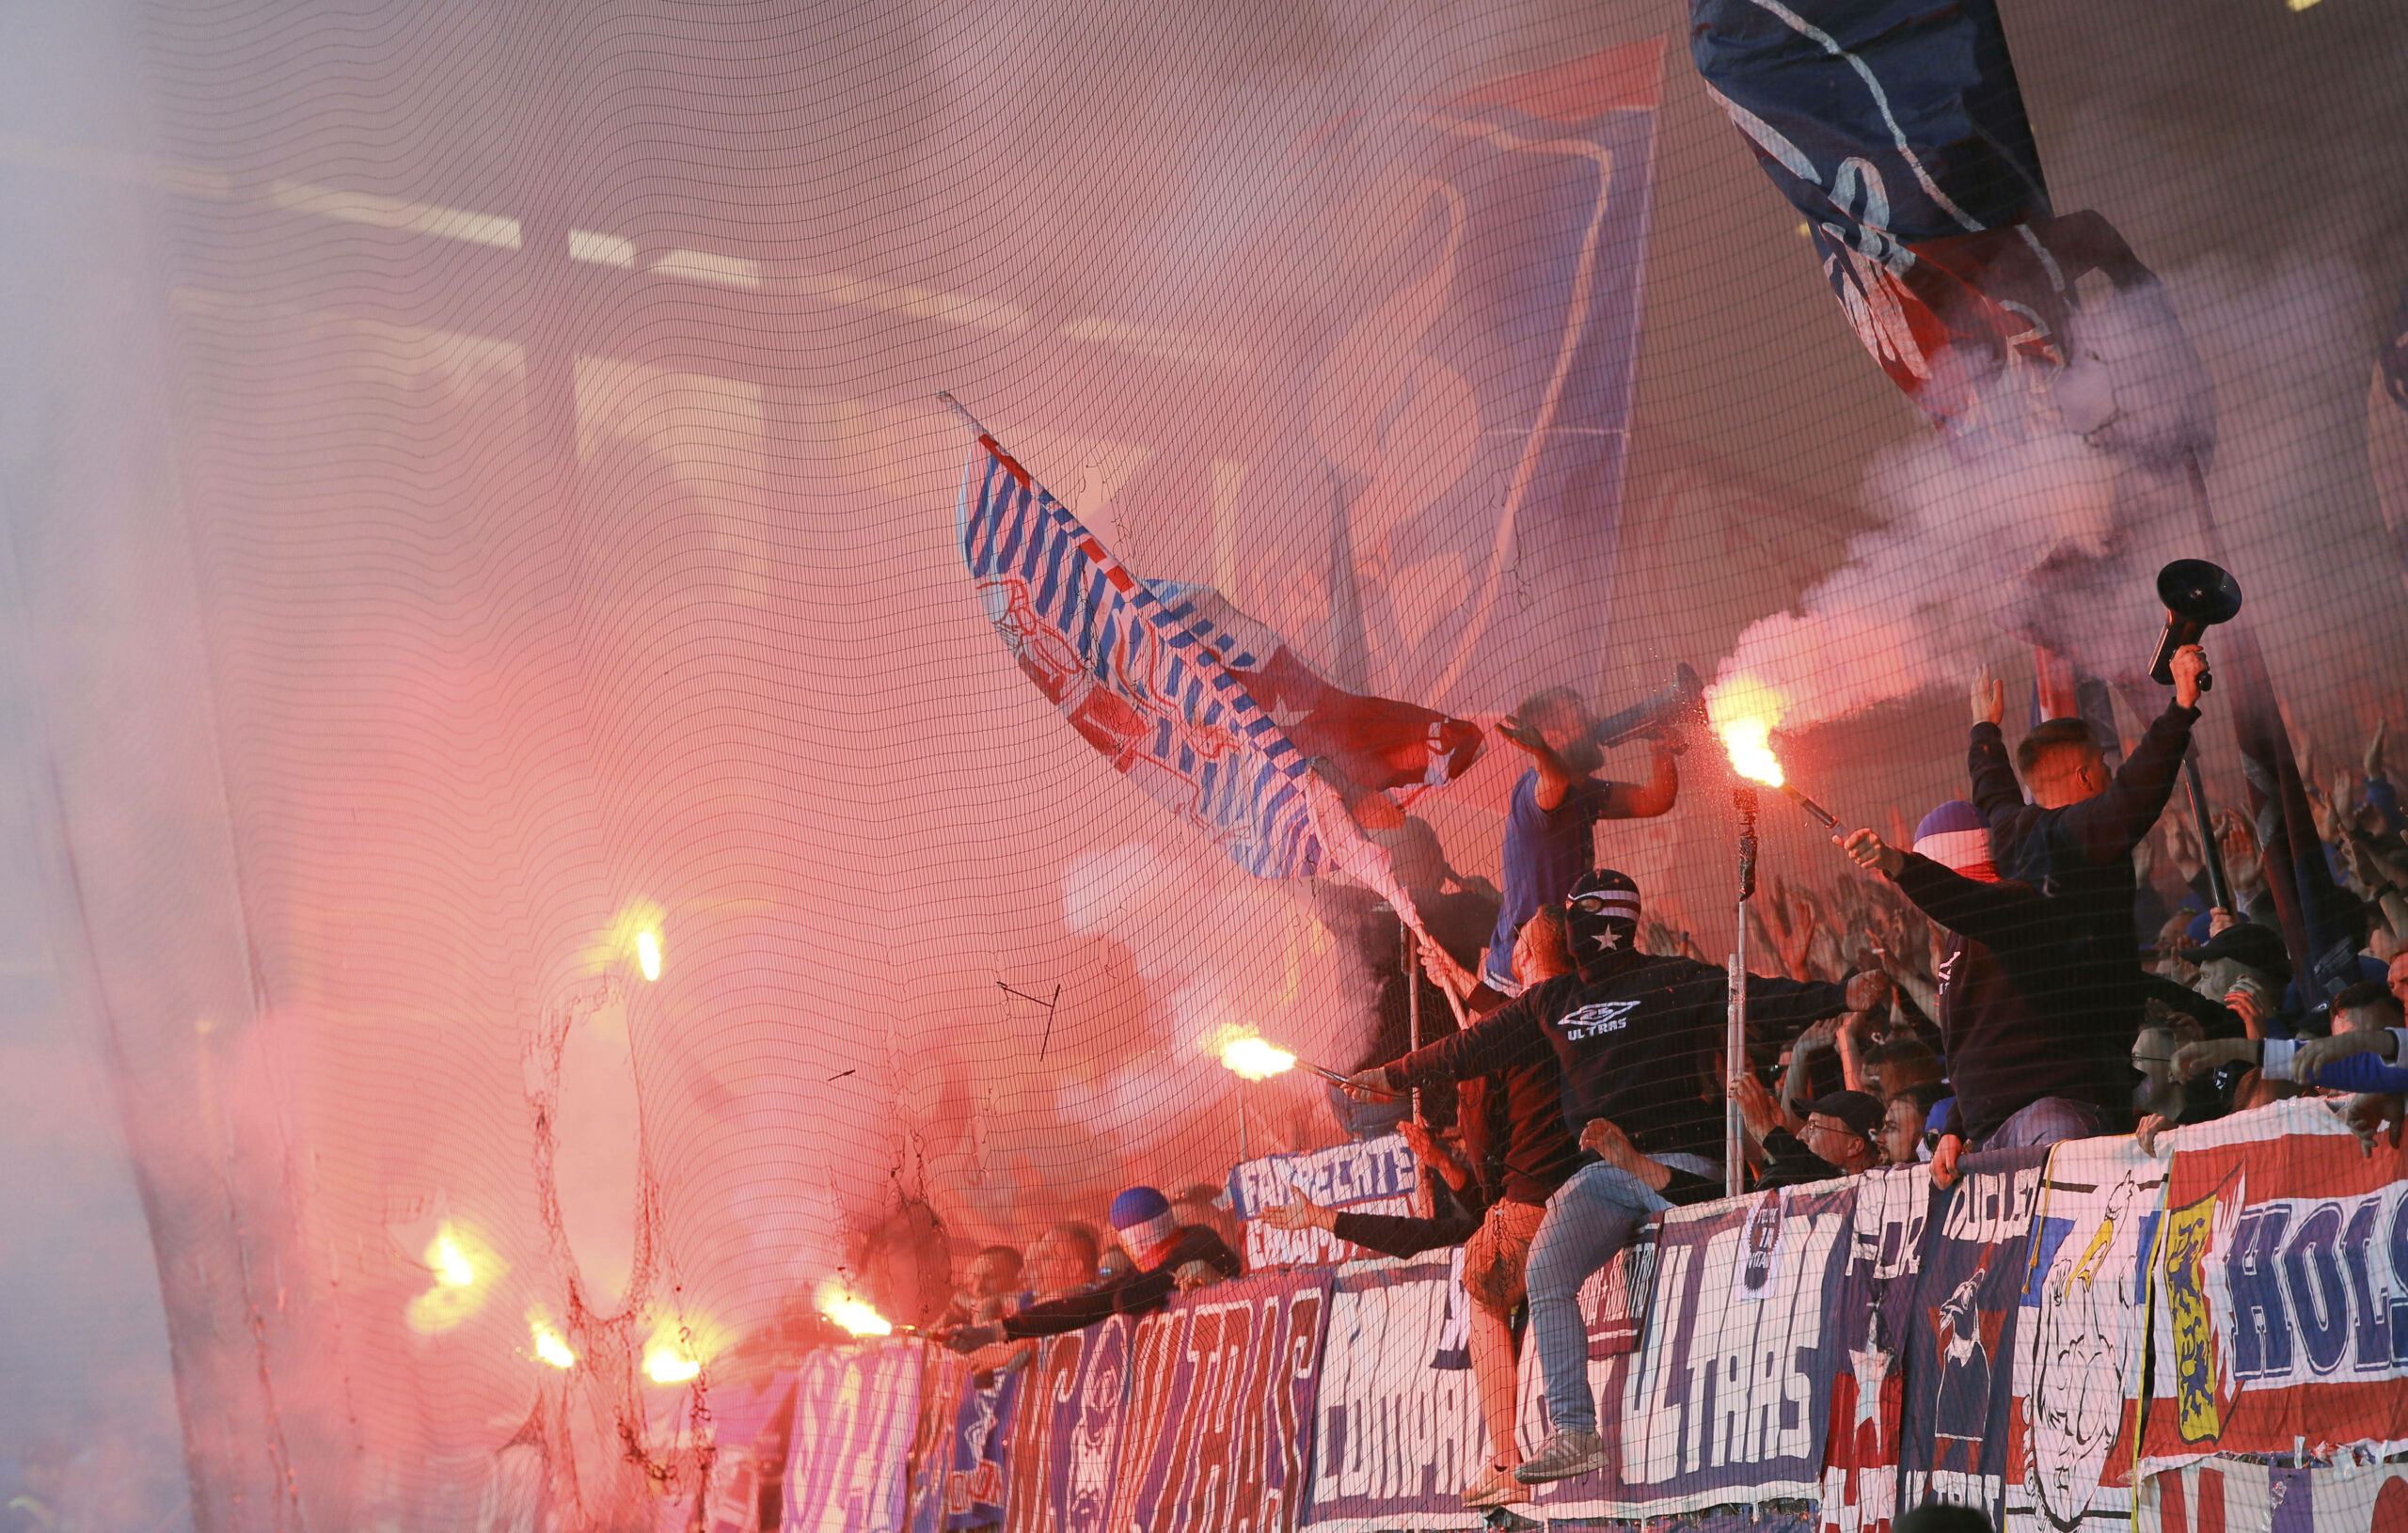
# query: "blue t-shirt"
[1545,853]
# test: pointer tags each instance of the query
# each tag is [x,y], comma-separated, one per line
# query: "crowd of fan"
[1988,988]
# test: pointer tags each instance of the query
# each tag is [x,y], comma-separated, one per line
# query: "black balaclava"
[1602,911]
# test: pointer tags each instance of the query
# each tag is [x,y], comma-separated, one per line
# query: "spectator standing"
[1627,1031]
[1549,839]
[2074,841]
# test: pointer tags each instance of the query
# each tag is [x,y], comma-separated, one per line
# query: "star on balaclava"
[1608,938]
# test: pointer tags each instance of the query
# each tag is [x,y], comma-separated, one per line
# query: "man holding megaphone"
[2073,840]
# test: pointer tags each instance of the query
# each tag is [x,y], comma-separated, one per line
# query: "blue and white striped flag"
[1145,688]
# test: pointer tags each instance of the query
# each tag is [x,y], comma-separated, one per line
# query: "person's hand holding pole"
[1372,1085]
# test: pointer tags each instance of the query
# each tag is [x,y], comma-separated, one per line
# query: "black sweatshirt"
[1402,1235]
[2083,853]
[1133,1294]
[2025,1010]
[1789,1164]
[1523,1151]
[1628,1032]
[2017,1014]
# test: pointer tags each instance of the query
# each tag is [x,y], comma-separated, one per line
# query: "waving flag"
[1374,743]
[1896,130]
[1149,691]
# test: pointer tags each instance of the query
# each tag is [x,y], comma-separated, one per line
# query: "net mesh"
[562,862]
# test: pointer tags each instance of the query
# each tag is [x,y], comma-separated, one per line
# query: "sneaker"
[1495,1486]
[1564,1455]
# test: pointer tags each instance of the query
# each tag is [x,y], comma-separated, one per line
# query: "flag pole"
[964,416]
[1734,1043]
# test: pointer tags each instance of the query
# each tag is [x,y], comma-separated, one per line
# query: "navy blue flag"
[1896,130]
[1957,1326]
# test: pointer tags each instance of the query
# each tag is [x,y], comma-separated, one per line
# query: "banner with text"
[1373,1176]
[855,1411]
[1956,1323]
[1222,1392]
[1066,1435]
[2282,1312]
[1723,1400]
[1395,1439]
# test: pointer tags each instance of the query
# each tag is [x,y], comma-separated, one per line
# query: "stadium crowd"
[1993,990]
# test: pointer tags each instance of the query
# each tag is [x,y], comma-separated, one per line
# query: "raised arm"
[1645,800]
[2111,825]
[1996,793]
[1507,1036]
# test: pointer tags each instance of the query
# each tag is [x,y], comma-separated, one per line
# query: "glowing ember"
[668,1365]
[856,1316]
[648,953]
[451,1263]
[550,1345]
[1750,742]
[1257,1060]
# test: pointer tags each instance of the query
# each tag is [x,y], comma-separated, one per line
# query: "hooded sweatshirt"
[1629,1033]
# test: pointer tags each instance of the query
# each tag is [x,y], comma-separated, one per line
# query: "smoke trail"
[2041,520]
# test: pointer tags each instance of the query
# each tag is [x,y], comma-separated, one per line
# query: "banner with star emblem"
[1958,1327]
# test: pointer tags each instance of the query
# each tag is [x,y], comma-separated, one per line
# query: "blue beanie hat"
[1144,1218]
[1956,837]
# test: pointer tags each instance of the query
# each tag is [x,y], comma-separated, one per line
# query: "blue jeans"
[2051,1120]
[1589,1218]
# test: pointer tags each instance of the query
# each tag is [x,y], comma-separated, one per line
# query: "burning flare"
[648,953]
[449,1260]
[854,1316]
[1257,1060]
[1744,711]
[668,1365]
[550,1345]
[1750,742]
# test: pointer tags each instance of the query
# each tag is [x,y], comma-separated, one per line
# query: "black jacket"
[2083,853]
[1789,1164]
[1629,1033]
[2025,1010]
[1133,1294]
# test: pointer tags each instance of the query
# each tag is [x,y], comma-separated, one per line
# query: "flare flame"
[1257,1060]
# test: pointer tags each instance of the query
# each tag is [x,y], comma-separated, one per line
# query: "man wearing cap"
[1629,1033]
[1167,1258]
[1835,1140]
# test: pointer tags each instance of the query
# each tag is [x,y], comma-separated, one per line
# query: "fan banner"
[855,1411]
[1722,1401]
[1868,1388]
[1395,1439]
[2079,1340]
[967,1486]
[1368,1176]
[1067,1437]
[1138,684]
[750,1424]
[2281,1318]
[944,1383]
[2229,1494]
[1958,1326]
[1223,1386]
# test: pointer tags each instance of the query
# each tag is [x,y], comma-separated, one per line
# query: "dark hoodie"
[2023,1014]
[1628,1032]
